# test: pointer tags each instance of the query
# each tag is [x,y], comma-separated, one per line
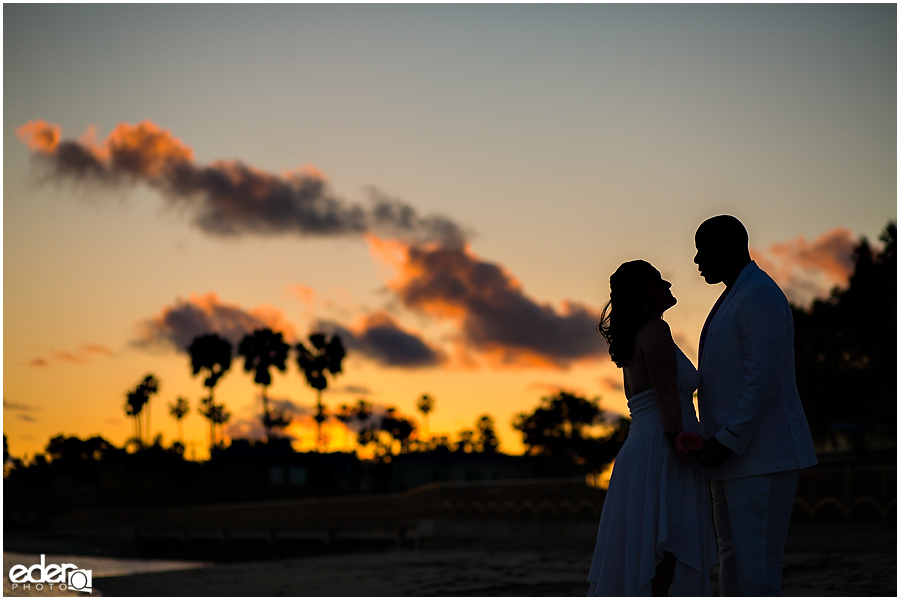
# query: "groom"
[750,412]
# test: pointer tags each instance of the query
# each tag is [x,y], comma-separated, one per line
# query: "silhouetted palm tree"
[262,350]
[134,404]
[135,401]
[178,410]
[425,404]
[361,413]
[320,417]
[210,353]
[206,411]
[345,414]
[325,356]
[219,417]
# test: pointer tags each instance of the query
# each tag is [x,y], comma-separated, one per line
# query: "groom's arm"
[762,319]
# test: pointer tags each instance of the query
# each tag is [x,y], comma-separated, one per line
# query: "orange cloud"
[497,320]
[179,324]
[40,136]
[305,171]
[227,197]
[97,349]
[67,356]
[79,356]
[144,149]
[808,270]
[23,412]
[305,294]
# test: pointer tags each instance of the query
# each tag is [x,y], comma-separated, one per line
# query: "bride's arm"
[658,349]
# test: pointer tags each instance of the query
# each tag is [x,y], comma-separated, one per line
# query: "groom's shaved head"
[722,249]
[725,233]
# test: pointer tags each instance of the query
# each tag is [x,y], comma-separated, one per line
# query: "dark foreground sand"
[835,560]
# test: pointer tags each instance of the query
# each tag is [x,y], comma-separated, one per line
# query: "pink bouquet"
[687,442]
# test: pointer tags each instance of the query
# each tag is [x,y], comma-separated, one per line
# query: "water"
[99,566]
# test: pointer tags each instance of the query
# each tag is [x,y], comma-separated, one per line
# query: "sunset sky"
[447,187]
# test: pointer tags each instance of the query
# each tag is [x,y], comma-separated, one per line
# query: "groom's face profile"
[709,259]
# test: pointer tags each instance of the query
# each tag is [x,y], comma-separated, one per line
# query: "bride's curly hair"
[626,310]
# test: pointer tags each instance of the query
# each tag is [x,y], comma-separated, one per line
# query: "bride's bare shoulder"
[655,327]
[655,331]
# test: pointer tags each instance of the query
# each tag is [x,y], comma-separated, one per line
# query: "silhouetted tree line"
[553,431]
[558,429]
[565,435]
[846,353]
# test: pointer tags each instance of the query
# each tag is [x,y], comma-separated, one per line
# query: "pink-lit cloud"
[497,320]
[177,325]
[81,355]
[807,270]
[304,293]
[40,136]
[227,197]
[97,349]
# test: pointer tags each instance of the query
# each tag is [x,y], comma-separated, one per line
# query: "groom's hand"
[714,453]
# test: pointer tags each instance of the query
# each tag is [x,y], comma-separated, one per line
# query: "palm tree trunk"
[212,424]
[265,400]
[318,422]
[148,422]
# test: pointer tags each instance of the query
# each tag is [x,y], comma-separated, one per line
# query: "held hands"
[689,446]
[714,453]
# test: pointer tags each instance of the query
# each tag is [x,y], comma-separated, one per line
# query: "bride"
[656,532]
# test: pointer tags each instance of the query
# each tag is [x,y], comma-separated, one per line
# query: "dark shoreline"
[840,559]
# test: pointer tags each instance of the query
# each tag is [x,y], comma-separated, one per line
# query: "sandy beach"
[820,560]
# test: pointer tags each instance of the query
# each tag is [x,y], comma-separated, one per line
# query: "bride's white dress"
[656,502]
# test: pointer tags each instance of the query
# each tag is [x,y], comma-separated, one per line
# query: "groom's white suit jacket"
[747,395]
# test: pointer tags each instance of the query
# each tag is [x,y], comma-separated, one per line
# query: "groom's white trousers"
[752,515]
